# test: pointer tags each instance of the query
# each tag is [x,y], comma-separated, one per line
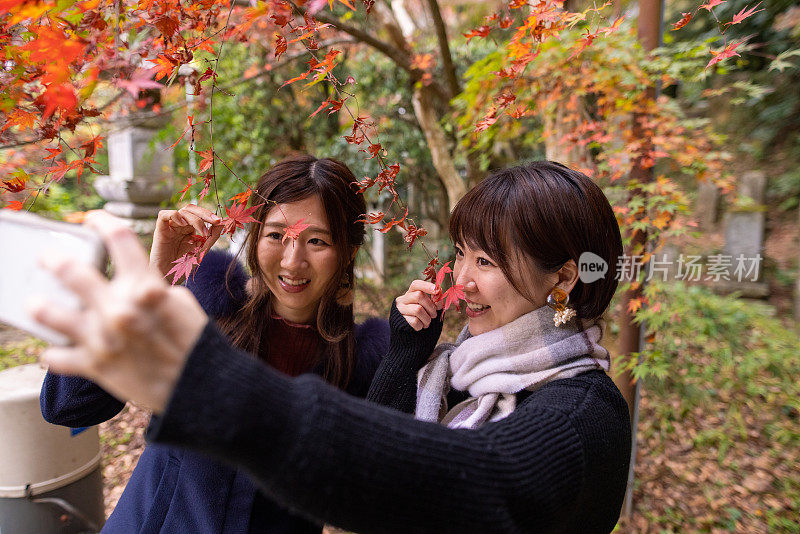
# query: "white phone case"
[24,238]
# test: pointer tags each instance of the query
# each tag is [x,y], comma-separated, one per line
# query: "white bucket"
[36,456]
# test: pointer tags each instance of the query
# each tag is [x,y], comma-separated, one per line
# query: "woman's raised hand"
[417,305]
[174,234]
[134,332]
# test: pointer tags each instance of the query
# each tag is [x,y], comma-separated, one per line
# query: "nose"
[463,276]
[294,255]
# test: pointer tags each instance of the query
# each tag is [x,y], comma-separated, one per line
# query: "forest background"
[422,99]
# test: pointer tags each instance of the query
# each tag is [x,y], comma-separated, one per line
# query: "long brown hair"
[548,214]
[291,180]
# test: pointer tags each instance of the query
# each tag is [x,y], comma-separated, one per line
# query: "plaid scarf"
[524,354]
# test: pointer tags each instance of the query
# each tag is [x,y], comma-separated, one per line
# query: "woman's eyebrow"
[312,229]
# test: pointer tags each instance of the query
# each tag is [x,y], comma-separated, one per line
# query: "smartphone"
[24,238]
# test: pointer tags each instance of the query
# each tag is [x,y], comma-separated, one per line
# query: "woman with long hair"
[515,427]
[295,313]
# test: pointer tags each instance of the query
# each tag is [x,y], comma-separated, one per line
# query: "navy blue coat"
[173,490]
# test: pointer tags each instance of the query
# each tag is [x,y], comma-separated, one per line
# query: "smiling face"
[297,271]
[492,301]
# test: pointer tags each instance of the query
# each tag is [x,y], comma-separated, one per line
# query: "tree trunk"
[438,145]
[400,26]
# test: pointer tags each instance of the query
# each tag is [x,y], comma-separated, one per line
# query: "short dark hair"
[548,213]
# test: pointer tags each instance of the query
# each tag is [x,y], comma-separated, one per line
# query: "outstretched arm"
[367,468]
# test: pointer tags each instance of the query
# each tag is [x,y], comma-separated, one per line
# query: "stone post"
[706,204]
[744,238]
[140,174]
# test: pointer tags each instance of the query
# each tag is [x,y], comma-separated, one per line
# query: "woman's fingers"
[199,218]
[416,304]
[216,231]
[67,322]
[68,361]
[422,285]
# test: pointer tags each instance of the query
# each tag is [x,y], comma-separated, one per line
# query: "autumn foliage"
[71,64]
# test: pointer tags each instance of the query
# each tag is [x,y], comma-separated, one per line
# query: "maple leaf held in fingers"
[452,296]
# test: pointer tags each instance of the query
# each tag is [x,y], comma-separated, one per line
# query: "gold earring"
[558,300]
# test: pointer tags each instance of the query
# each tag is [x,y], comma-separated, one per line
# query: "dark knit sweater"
[557,464]
[175,490]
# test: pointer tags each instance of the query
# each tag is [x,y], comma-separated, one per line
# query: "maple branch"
[450,75]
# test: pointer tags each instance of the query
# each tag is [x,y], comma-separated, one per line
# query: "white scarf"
[524,354]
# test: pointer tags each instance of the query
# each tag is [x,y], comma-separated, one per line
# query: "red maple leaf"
[53,152]
[165,65]
[140,79]
[711,4]
[725,53]
[293,231]
[206,184]
[441,273]
[430,270]
[190,118]
[209,72]
[16,184]
[335,105]
[14,205]
[453,295]
[188,185]
[519,111]
[242,197]
[207,161]
[280,45]
[373,150]
[481,31]
[608,30]
[683,22]
[166,25]
[58,96]
[238,216]
[371,218]
[91,146]
[413,233]
[60,169]
[743,14]
[183,267]
[395,222]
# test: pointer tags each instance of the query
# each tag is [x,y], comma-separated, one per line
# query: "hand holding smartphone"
[24,239]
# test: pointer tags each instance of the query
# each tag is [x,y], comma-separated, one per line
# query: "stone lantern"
[140,172]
